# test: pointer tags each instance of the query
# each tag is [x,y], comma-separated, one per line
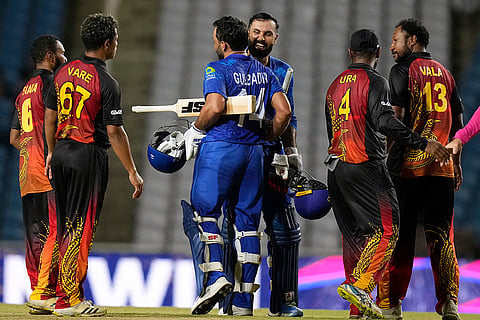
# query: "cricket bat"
[287,80]
[192,107]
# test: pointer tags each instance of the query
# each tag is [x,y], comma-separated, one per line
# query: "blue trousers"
[233,173]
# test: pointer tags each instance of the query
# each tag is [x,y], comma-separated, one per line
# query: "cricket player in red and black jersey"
[86,104]
[359,116]
[38,198]
[425,97]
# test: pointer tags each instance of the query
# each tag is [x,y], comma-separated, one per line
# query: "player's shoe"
[361,300]
[34,311]
[42,305]
[357,316]
[85,308]
[239,311]
[213,294]
[450,310]
[355,313]
[236,311]
[287,310]
[394,312]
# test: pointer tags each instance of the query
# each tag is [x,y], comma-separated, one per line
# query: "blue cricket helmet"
[166,151]
[311,197]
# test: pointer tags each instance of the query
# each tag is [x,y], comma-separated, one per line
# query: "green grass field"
[10,311]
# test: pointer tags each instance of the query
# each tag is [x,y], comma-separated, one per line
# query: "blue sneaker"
[287,310]
[361,300]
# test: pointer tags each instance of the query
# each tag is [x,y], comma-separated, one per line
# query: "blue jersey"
[280,68]
[239,75]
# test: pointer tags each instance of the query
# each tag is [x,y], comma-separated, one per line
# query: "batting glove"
[294,158]
[192,136]
[278,174]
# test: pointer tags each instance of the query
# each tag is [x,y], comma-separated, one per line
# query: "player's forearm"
[211,111]
[397,131]
[121,146]
[280,123]
[289,137]
[50,125]
[399,112]
[15,138]
[206,119]
[283,113]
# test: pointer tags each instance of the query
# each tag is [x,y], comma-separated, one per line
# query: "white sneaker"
[394,312]
[357,316]
[236,311]
[42,305]
[239,311]
[361,300]
[38,311]
[450,310]
[213,294]
[83,309]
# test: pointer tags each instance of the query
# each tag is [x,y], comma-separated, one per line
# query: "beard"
[403,55]
[259,53]
[220,53]
[58,63]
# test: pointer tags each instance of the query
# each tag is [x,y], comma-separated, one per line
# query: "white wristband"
[196,129]
[291,150]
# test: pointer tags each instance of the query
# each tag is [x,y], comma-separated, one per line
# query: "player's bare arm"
[289,137]
[457,124]
[283,113]
[50,125]
[399,112]
[211,111]
[289,141]
[433,147]
[438,150]
[455,145]
[15,138]
[121,146]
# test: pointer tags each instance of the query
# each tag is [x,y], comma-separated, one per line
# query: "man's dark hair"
[263,16]
[414,27]
[233,31]
[96,29]
[41,45]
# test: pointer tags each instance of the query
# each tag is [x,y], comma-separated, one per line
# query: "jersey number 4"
[66,98]
[344,108]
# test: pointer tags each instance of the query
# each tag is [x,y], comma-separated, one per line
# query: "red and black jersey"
[428,93]
[28,119]
[359,115]
[86,98]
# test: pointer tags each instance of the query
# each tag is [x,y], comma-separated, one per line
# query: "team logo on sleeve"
[209,70]
[209,73]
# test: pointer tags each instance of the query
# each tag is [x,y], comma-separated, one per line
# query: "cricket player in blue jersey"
[229,163]
[282,229]
[279,213]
